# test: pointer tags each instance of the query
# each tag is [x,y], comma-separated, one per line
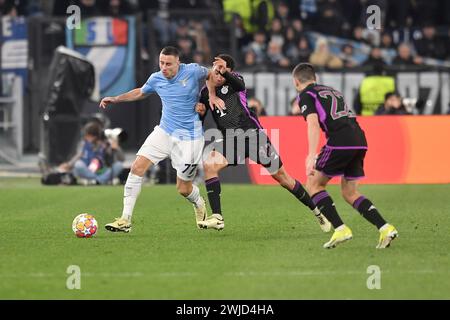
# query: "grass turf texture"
[271,247]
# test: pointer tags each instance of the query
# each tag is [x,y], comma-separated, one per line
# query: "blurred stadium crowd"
[276,35]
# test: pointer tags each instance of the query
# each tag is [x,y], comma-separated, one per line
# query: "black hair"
[228,59]
[390,94]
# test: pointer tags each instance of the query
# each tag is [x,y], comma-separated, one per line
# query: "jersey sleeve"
[204,96]
[307,104]
[149,86]
[200,72]
[235,80]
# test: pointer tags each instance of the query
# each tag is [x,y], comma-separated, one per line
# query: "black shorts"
[253,144]
[342,161]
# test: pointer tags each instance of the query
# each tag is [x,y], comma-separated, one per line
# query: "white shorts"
[185,154]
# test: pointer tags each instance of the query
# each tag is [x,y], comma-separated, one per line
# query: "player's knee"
[138,169]
[184,189]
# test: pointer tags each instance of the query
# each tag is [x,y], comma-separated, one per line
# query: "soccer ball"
[84,225]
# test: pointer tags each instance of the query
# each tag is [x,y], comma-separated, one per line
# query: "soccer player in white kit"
[179,135]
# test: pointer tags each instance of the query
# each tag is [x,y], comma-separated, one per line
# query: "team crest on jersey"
[224,90]
[184,82]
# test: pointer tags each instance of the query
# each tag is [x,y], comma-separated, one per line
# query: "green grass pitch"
[271,247]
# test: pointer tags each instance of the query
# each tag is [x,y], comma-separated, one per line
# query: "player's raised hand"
[215,101]
[107,100]
[200,108]
[219,65]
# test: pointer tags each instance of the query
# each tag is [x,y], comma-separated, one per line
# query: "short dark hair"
[170,51]
[228,59]
[304,72]
[93,128]
[391,94]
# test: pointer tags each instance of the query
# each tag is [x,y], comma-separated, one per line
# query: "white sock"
[195,197]
[130,194]
[316,212]
[341,227]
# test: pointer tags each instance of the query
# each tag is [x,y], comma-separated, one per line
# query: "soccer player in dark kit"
[343,155]
[242,137]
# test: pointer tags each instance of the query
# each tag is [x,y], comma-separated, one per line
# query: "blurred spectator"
[255,14]
[386,41]
[347,56]
[429,45]
[116,8]
[242,36]
[295,108]
[199,57]
[375,59]
[392,105]
[198,33]
[276,32]
[8,8]
[250,64]
[358,35]
[16,8]
[330,20]
[296,49]
[185,45]
[297,24]
[182,31]
[290,44]
[256,106]
[275,56]
[282,14]
[322,57]
[304,50]
[89,8]
[258,46]
[404,56]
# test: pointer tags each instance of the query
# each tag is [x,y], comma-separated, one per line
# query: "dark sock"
[366,208]
[300,193]
[326,205]
[213,190]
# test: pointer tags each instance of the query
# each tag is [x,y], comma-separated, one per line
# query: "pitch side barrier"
[431,89]
[402,149]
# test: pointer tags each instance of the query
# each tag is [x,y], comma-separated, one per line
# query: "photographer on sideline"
[99,159]
[392,105]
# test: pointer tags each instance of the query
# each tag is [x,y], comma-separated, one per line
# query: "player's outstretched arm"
[313,142]
[132,95]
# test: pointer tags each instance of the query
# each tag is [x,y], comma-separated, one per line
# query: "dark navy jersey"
[237,114]
[335,118]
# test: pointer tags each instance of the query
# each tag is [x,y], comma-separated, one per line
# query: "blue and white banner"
[14,48]
[110,45]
